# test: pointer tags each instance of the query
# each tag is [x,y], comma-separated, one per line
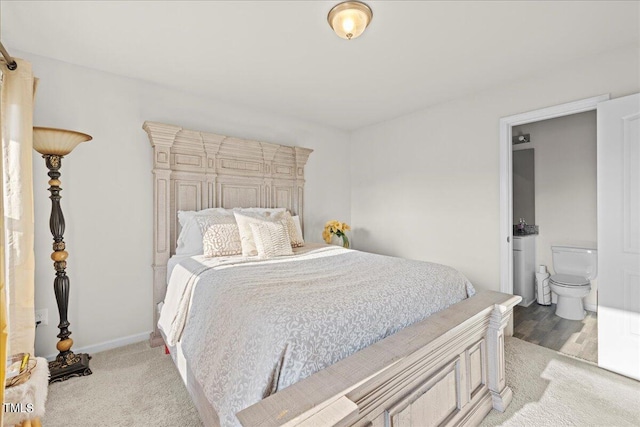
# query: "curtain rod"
[11,63]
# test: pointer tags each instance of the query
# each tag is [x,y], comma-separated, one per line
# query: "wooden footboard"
[445,370]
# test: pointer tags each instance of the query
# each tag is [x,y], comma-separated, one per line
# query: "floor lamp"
[54,144]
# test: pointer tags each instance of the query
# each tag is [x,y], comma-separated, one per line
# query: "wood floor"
[538,324]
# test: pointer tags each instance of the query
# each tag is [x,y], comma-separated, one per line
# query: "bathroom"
[555,205]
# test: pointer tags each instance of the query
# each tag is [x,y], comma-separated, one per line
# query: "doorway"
[555,198]
[543,131]
[506,174]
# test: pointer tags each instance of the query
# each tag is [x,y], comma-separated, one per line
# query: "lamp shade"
[57,141]
[349,19]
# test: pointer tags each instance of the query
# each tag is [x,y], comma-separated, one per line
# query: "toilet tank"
[575,261]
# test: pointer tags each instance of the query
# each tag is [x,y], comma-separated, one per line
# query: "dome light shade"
[58,142]
[349,19]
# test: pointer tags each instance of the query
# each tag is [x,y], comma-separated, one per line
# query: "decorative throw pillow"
[244,220]
[190,237]
[294,229]
[271,238]
[220,236]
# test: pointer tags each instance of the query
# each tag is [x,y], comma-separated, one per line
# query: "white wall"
[426,185]
[565,184]
[107,189]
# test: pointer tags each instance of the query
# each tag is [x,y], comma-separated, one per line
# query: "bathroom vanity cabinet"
[524,268]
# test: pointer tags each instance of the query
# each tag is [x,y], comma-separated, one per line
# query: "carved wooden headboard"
[195,170]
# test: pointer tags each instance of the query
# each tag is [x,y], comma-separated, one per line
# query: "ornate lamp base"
[68,365]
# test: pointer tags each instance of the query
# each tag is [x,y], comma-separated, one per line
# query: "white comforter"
[249,328]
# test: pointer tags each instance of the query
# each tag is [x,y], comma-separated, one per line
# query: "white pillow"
[219,239]
[244,220]
[294,227]
[261,211]
[190,238]
[296,220]
[295,237]
[271,238]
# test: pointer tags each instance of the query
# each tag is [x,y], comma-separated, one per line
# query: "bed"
[428,355]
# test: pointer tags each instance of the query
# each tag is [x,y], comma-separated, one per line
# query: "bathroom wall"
[565,184]
[524,186]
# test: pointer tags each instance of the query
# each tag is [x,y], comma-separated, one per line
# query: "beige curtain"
[4,327]
[16,123]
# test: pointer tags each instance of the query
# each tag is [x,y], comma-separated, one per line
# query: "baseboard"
[524,304]
[591,307]
[107,345]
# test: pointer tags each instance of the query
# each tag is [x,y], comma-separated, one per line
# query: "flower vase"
[340,240]
[345,241]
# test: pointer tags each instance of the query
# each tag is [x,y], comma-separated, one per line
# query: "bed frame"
[446,370]
[195,170]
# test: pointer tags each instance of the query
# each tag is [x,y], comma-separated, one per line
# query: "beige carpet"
[551,389]
[130,386]
[139,386]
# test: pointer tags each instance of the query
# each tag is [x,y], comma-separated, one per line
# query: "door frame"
[506,174]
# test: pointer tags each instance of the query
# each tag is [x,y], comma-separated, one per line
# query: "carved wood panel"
[162,207]
[187,195]
[240,196]
[283,197]
[436,400]
[476,368]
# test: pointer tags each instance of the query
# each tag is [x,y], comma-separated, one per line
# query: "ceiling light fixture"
[349,19]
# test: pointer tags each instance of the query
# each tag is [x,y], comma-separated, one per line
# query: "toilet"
[575,267]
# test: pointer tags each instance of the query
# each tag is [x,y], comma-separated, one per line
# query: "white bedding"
[187,270]
[173,262]
[249,328]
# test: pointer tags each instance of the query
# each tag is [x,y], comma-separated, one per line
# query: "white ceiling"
[283,57]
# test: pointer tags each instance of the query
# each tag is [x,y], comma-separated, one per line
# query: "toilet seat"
[569,281]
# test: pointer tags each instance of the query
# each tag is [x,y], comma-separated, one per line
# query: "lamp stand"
[67,363]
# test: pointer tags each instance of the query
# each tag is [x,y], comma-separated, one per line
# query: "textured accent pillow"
[244,220]
[190,237]
[294,229]
[271,238]
[220,236]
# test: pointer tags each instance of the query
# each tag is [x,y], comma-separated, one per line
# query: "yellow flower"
[334,227]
